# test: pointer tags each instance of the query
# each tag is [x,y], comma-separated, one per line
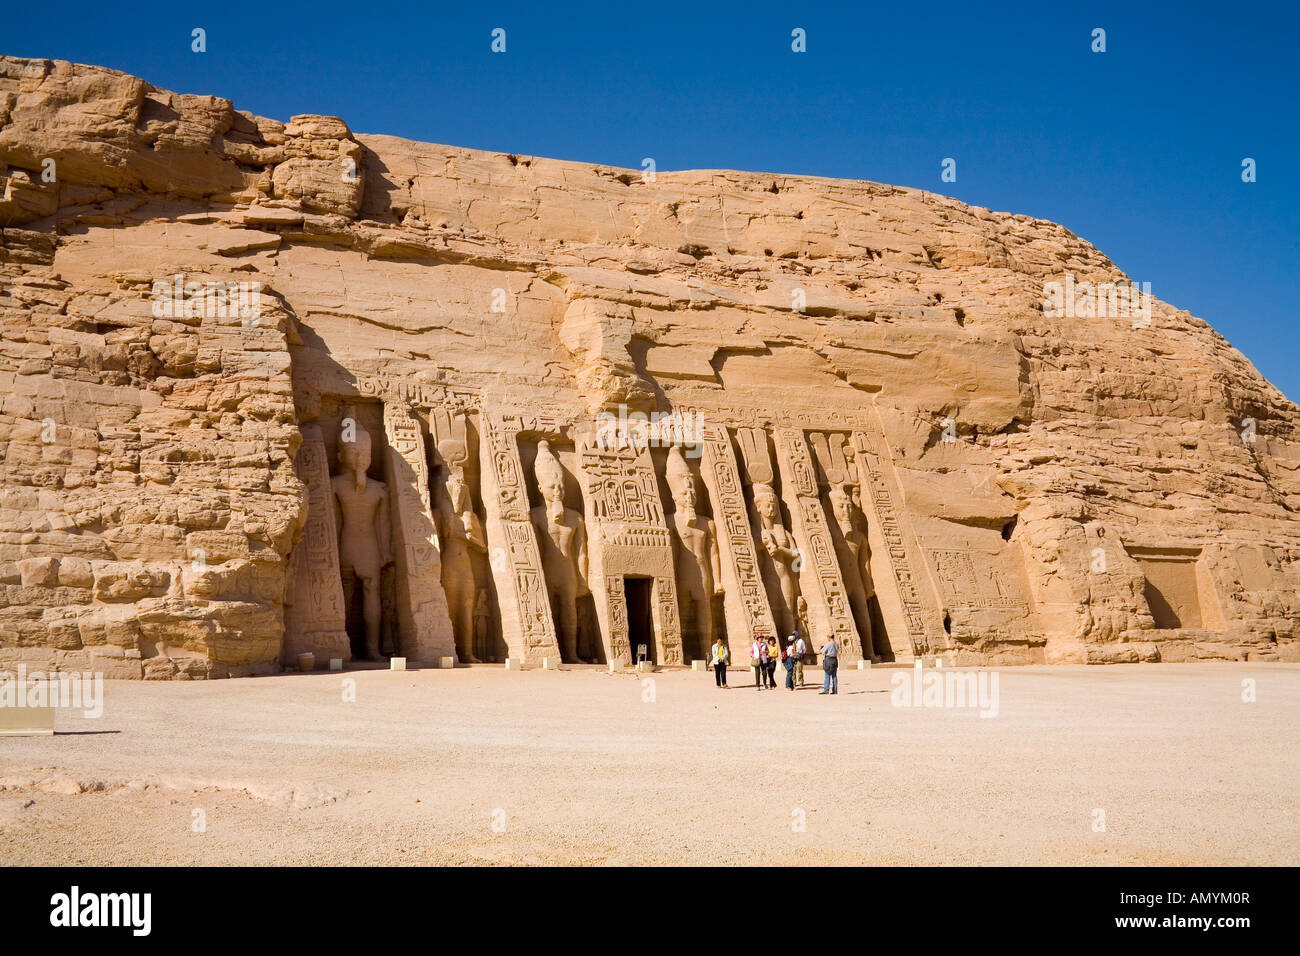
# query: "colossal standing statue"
[361,510]
[563,543]
[699,574]
[462,533]
[779,543]
[862,589]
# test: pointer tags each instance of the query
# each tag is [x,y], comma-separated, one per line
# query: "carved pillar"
[918,609]
[424,627]
[745,602]
[613,625]
[628,536]
[821,581]
[314,616]
[840,493]
[668,627]
[526,622]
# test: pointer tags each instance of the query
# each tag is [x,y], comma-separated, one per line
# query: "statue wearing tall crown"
[461,534]
[698,570]
[563,543]
[861,588]
[780,546]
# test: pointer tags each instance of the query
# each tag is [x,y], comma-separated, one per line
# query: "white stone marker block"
[397,663]
[513,664]
[699,665]
[336,663]
[26,721]
[550,664]
[447,663]
[615,667]
[864,665]
[644,667]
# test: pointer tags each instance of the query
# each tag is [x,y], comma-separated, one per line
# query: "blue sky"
[1137,149]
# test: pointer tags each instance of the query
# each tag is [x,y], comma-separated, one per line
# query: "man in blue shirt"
[831,666]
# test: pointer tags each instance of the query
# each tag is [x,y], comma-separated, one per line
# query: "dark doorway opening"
[640,622]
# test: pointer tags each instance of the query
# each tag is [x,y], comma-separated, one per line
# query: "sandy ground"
[480,765]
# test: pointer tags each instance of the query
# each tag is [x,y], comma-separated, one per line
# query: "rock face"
[872,419]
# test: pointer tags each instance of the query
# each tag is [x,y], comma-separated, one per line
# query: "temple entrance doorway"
[640,622]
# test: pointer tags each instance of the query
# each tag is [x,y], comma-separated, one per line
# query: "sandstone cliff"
[1035,487]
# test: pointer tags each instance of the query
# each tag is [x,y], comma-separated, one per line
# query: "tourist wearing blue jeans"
[831,666]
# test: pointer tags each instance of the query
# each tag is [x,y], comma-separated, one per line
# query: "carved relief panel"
[629,537]
[315,619]
[918,613]
[828,596]
[514,555]
[423,623]
[746,604]
[838,485]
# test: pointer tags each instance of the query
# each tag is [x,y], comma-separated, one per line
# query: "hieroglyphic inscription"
[514,554]
[315,619]
[420,394]
[620,487]
[813,533]
[628,535]
[423,622]
[735,536]
[643,538]
[963,585]
[669,626]
[619,650]
[875,485]
[787,415]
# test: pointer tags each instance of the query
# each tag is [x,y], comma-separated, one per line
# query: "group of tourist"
[765,653]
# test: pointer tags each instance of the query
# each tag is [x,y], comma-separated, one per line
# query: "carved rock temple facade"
[868,425]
